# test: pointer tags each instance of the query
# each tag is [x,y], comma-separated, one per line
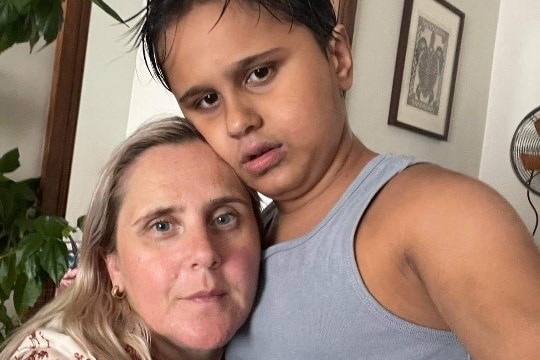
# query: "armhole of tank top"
[378,310]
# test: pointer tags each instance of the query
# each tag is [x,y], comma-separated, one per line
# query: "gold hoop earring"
[117,293]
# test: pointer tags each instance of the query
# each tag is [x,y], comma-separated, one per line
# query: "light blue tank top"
[313,303]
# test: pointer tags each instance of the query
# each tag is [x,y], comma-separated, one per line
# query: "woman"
[169,258]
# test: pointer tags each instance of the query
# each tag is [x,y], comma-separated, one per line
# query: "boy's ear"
[339,55]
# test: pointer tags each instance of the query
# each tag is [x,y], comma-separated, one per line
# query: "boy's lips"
[259,158]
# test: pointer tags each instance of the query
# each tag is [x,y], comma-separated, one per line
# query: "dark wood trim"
[346,14]
[64,107]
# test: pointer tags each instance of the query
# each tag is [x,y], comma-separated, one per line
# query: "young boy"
[367,256]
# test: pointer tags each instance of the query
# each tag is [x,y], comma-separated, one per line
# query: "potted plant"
[28,21]
[33,249]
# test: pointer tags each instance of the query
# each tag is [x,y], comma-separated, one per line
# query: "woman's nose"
[204,254]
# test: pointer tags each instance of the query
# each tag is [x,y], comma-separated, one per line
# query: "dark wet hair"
[316,15]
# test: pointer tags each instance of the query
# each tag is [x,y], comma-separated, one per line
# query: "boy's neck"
[298,216]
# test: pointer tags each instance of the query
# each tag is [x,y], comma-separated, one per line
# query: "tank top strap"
[373,177]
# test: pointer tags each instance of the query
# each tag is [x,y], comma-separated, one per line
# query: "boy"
[367,256]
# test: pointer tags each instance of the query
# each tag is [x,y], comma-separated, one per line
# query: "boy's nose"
[241,119]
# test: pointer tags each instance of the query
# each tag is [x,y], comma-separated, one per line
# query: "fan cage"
[526,140]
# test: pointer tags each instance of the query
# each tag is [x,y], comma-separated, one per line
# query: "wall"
[105,101]
[515,89]
[148,97]
[377,30]
[23,118]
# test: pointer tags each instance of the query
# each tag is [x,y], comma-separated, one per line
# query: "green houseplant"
[28,21]
[33,251]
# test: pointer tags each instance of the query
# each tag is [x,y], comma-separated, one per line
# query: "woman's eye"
[208,100]
[225,219]
[162,226]
[259,74]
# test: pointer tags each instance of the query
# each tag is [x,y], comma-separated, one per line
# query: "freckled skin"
[186,227]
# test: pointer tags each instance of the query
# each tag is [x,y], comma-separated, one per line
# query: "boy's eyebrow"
[235,68]
[251,61]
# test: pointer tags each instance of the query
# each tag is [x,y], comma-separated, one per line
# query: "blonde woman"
[169,258]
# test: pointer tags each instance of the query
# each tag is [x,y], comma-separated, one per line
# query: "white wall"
[105,101]
[148,97]
[515,90]
[25,86]
[375,44]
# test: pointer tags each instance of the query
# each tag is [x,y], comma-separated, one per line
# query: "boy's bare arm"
[479,264]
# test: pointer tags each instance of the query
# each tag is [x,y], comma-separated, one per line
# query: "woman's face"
[188,247]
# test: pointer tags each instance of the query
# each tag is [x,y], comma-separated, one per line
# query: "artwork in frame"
[426,67]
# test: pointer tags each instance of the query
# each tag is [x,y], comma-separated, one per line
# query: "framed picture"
[426,67]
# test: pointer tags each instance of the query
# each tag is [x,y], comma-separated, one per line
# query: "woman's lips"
[206,296]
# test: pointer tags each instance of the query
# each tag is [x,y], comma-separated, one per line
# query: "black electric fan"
[525,155]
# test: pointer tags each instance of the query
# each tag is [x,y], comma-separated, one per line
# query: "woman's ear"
[339,55]
[113,267]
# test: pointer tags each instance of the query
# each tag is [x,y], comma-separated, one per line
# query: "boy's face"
[261,92]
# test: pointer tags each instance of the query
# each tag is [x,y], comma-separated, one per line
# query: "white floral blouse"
[50,343]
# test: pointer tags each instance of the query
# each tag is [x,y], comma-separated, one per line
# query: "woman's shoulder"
[50,342]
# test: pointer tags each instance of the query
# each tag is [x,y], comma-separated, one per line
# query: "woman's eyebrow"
[224,200]
[156,213]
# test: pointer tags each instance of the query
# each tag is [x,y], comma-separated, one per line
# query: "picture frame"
[426,67]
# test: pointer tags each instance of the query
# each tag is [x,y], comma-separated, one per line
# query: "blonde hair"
[106,327]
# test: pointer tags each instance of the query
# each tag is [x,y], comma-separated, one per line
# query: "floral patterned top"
[50,343]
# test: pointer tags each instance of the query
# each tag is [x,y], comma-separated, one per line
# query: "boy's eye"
[259,74]
[162,226]
[208,100]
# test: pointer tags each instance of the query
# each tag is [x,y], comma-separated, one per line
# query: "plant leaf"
[7,206]
[32,32]
[18,29]
[9,162]
[27,189]
[29,245]
[30,266]
[49,17]
[52,226]
[21,5]
[53,259]
[8,274]
[7,321]
[108,10]
[6,41]
[25,293]
[8,11]
[80,221]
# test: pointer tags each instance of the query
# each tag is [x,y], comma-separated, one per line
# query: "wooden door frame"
[66,93]
[346,15]
[64,107]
